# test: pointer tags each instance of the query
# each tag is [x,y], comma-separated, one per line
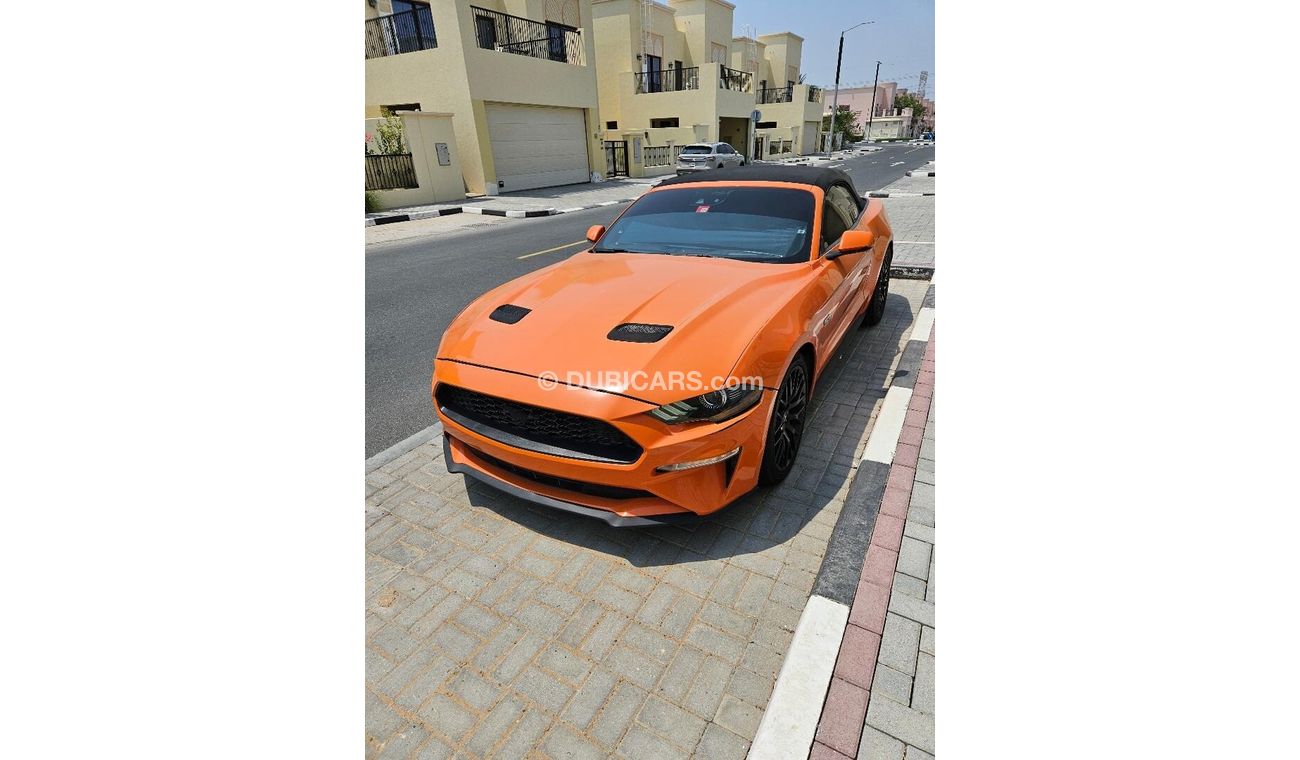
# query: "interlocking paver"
[562,742]
[876,745]
[682,728]
[498,628]
[914,558]
[903,723]
[613,721]
[720,744]
[900,642]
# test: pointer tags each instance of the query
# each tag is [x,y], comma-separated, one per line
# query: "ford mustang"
[667,370]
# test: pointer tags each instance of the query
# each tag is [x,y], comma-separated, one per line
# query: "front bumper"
[641,494]
[691,169]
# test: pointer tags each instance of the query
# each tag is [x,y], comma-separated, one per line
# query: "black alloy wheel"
[785,431]
[880,296]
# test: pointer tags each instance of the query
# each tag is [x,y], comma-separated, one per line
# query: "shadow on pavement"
[846,393]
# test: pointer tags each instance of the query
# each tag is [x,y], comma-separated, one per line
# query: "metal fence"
[548,41]
[397,33]
[390,172]
[733,79]
[660,155]
[779,147]
[672,80]
[776,95]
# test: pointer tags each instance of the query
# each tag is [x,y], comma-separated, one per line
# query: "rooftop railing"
[397,33]
[548,41]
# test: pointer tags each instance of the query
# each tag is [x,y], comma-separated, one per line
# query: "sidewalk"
[880,705]
[909,202]
[528,203]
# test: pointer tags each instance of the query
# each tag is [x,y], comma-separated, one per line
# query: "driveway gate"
[616,158]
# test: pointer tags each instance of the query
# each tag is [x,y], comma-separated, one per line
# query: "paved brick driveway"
[498,628]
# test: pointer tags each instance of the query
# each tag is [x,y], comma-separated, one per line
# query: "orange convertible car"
[667,370]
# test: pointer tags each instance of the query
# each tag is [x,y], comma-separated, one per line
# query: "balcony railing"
[733,79]
[405,32]
[776,95]
[672,80]
[814,93]
[548,41]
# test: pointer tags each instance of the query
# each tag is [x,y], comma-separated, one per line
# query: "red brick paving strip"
[840,727]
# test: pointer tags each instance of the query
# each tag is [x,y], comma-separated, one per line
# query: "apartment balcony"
[397,33]
[672,80]
[734,79]
[547,41]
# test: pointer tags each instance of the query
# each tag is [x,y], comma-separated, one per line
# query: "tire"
[785,428]
[880,296]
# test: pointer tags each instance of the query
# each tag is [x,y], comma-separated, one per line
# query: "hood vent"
[508,313]
[635,332]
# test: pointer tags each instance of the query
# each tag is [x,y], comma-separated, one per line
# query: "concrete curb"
[916,173]
[902,271]
[509,213]
[875,194]
[401,447]
[790,721]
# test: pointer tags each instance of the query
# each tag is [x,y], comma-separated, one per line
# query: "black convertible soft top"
[803,175]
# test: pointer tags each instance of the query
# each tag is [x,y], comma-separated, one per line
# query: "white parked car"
[698,157]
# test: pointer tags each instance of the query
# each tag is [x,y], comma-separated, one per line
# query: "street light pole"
[835,103]
[872,116]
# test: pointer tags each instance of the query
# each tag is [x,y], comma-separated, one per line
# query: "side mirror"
[595,231]
[853,241]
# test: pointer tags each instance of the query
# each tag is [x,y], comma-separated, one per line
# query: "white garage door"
[537,147]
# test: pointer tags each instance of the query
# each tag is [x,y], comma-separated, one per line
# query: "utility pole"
[835,103]
[872,116]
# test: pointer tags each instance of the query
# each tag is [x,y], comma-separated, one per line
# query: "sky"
[902,37]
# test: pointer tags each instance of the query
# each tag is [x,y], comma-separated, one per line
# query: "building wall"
[704,23]
[459,78]
[438,184]
[784,52]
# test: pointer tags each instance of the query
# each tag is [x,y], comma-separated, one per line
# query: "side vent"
[508,313]
[635,332]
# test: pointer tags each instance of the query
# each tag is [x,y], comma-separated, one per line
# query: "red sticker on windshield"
[701,209]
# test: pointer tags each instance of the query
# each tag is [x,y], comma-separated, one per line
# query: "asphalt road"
[415,287]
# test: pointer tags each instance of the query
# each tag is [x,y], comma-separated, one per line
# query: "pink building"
[859,99]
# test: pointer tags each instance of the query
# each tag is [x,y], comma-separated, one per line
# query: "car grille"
[577,486]
[536,428]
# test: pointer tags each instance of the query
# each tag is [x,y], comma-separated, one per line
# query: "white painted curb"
[790,721]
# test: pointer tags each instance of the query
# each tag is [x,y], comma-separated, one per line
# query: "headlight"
[714,406]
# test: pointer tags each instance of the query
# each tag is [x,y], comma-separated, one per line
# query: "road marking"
[896,163]
[551,250]
[790,720]
[888,425]
[832,166]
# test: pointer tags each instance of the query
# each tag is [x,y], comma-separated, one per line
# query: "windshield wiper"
[613,250]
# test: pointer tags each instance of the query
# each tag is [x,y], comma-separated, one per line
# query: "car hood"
[714,306]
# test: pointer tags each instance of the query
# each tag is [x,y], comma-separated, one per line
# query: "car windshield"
[695,149]
[747,223]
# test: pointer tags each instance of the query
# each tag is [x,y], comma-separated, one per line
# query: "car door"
[840,211]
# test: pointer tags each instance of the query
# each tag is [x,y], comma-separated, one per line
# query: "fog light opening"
[698,463]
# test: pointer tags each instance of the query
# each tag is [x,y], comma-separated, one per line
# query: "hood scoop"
[508,313]
[637,332]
